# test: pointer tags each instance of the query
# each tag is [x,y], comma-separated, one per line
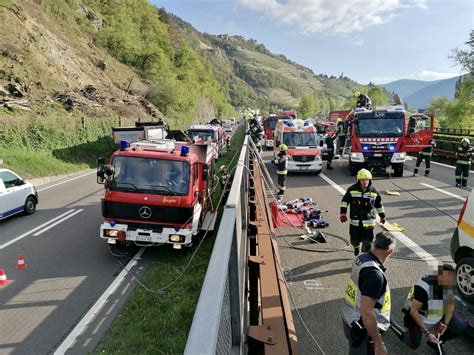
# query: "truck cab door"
[419,132]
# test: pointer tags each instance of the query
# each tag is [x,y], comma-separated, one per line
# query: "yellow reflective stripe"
[344,204]
[354,223]
[381,210]
[425,153]
[356,194]
[435,313]
[372,194]
[350,293]
[282,172]
[411,293]
[387,302]
[467,228]
[464,162]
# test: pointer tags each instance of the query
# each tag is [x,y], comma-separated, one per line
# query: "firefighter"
[367,304]
[256,131]
[330,138]
[364,201]
[430,309]
[225,182]
[341,132]
[281,163]
[463,163]
[425,154]
[362,100]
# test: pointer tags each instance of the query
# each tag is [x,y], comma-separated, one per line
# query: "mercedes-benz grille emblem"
[304,158]
[145,212]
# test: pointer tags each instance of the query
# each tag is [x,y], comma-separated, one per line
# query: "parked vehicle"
[156,193]
[214,135]
[304,153]
[462,250]
[382,137]
[16,195]
[269,123]
[142,131]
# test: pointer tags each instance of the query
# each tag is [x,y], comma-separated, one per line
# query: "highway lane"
[317,280]
[68,268]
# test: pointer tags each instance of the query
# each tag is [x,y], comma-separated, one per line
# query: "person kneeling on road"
[366,305]
[281,163]
[430,309]
[364,200]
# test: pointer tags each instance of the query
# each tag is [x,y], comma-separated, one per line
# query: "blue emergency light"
[365,147]
[307,123]
[392,147]
[184,151]
[288,123]
[112,223]
[124,145]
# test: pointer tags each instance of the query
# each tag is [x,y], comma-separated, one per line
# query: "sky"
[368,40]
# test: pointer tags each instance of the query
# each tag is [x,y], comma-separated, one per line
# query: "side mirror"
[109,171]
[321,142]
[205,172]
[19,182]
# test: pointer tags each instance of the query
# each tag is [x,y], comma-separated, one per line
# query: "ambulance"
[301,138]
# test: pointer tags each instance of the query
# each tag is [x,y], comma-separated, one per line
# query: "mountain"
[441,88]
[406,87]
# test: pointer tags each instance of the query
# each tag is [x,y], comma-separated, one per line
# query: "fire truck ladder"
[271,329]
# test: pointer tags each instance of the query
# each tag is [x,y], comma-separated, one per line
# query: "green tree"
[307,106]
[460,112]
[437,107]
[377,96]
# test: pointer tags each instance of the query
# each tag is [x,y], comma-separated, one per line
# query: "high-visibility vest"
[435,310]
[352,295]
[466,159]
[282,165]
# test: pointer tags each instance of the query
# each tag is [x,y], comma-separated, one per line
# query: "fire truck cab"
[382,137]
[301,138]
[155,192]
[269,123]
[214,135]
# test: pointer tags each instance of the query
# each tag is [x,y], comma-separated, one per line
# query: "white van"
[462,250]
[16,195]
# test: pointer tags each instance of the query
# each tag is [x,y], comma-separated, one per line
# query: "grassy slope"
[160,323]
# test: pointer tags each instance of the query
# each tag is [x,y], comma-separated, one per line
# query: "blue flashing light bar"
[289,123]
[112,223]
[124,145]
[392,147]
[184,151]
[365,147]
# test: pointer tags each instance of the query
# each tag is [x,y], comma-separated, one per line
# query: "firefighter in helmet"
[463,163]
[364,201]
[362,100]
[281,163]
[225,181]
[256,131]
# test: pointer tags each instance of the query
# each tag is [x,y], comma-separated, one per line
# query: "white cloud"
[330,16]
[434,75]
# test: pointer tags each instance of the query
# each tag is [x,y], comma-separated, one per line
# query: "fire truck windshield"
[149,175]
[300,139]
[380,125]
[201,135]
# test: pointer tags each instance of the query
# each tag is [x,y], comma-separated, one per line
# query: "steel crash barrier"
[244,305]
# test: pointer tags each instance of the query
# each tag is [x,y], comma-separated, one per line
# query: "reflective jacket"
[363,205]
[464,153]
[282,164]
[428,150]
[435,310]
[352,295]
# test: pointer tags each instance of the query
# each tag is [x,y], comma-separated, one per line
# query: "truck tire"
[398,170]
[464,275]
[30,205]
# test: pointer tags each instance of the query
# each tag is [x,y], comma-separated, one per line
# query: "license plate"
[303,168]
[377,155]
[144,238]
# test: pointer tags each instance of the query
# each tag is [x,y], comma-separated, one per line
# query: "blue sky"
[367,40]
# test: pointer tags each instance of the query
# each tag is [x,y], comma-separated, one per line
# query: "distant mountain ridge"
[419,93]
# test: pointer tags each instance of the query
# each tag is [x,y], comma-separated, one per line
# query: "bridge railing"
[220,319]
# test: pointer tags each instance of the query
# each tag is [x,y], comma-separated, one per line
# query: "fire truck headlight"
[357,157]
[399,157]
[176,238]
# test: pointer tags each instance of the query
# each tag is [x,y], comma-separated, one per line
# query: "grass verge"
[159,323]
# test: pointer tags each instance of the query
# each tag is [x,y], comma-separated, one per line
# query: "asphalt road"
[68,269]
[317,278]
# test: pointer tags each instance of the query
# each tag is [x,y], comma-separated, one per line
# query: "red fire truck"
[382,137]
[214,135]
[335,115]
[155,193]
[269,123]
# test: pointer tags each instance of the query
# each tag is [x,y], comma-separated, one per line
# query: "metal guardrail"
[455,131]
[220,318]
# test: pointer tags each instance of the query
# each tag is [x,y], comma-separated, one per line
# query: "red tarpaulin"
[285,218]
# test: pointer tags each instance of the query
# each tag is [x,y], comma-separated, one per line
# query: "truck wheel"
[464,278]
[30,205]
[398,170]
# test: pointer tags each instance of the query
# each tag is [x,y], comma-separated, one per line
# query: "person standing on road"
[281,163]
[425,154]
[430,309]
[366,306]
[463,163]
[330,138]
[364,201]
[341,133]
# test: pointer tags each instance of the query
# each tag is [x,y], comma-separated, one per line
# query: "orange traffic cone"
[21,262]
[3,278]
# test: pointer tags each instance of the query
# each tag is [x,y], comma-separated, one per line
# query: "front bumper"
[157,235]
[269,143]
[313,166]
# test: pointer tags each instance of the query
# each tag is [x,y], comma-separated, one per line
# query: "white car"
[16,195]
[462,250]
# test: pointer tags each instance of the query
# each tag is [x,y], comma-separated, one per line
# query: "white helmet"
[465,140]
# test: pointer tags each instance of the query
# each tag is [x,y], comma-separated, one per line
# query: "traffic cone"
[3,278]
[21,262]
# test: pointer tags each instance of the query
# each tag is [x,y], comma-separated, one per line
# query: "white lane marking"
[95,309]
[57,222]
[34,230]
[423,254]
[65,181]
[447,166]
[443,192]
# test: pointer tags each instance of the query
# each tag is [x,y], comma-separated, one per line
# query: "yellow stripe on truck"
[467,228]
